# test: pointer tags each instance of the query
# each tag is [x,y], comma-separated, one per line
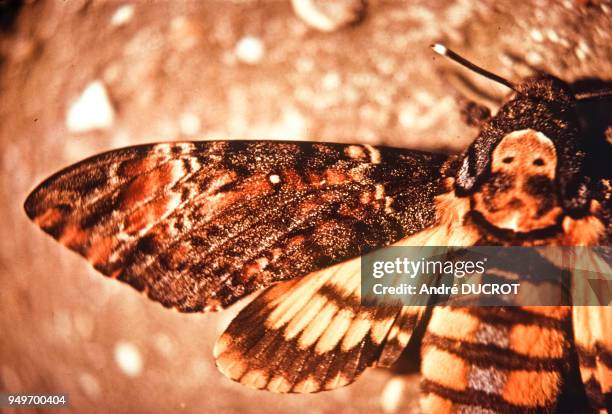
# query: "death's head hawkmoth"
[199,225]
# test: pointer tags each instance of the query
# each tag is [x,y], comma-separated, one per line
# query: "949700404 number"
[33,400]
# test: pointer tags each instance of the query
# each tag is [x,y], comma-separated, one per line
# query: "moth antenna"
[444,51]
[594,95]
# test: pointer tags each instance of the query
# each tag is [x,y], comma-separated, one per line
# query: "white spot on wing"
[274,179]
[374,154]
[354,151]
[380,191]
[388,204]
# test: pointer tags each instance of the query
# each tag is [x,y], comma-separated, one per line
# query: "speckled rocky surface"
[221,69]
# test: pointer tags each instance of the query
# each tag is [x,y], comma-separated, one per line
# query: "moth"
[198,225]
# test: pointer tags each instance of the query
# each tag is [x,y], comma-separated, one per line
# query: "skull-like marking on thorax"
[521,194]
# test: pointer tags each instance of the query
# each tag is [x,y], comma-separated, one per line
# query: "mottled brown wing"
[198,225]
[312,334]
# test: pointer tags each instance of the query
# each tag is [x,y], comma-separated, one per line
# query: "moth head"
[520,192]
[538,130]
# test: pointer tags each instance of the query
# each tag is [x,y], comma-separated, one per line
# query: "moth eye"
[507,160]
[538,161]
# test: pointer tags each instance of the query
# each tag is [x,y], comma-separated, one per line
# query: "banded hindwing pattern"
[506,359]
[198,225]
[313,334]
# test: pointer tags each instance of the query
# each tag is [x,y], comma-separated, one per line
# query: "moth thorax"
[520,194]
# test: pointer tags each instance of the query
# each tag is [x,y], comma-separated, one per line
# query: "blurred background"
[79,77]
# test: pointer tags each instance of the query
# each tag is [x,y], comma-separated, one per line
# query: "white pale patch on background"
[391,395]
[460,12]
[84,326]
[536,35]
[90,385]
[274,179]
[237,121]
[423,17]
[534,58]
[91,111]
[167,129]
[304,64]
[552,36]
[121,138]
[185,34]
[582,50]
[250,50]
[123,15]
[128,358]
[311,15]
[327,15]
[112,73]
[189,123]
[330,81]
[62,325]
[292,124]
[424,110]
[96,355]
[163,344]
[201,370]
